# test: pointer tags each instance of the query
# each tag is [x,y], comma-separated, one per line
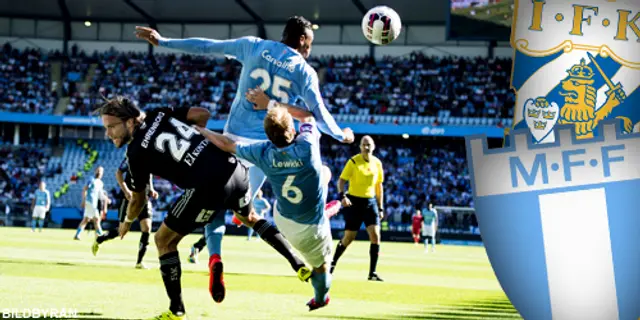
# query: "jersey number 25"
[278,83]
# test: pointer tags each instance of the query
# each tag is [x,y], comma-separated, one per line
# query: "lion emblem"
[580,98]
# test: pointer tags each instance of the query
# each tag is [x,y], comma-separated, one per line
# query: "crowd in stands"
[418,171]
[420,85]
[25,84]
[21,168]
[411,85]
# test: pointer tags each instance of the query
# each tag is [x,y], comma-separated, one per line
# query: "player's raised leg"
[271,235]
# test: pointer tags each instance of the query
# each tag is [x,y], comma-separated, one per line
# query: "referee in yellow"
[363,202]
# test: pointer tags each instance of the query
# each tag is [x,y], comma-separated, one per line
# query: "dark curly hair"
[296,27]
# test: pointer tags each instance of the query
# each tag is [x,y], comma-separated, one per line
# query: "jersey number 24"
[177,146]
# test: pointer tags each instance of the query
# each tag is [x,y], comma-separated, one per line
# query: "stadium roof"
[222,11]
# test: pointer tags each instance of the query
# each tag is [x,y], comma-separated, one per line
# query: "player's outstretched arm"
[326,122]
[234,47]
[225,144]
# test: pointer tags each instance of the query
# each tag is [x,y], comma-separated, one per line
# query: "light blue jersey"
[294,172]
[42,197]
[429,217]
[94,192]
[261,206]
[280,70]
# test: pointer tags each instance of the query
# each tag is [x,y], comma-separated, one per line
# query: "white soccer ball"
[381,25]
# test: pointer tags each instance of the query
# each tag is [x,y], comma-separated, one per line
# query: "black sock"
[171,273]
[142,248]
[374,249]
[111,234]
[340,248]
[273,237]
[200,244]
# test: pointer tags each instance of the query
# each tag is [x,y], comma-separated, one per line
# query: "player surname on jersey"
[35,313]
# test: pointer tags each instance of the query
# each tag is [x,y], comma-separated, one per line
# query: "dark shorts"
[199,206]
[144,214]
[361,210]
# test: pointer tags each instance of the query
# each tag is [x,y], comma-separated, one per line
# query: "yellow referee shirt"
[363,176]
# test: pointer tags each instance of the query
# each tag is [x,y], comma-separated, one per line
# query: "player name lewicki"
[569,164]
[152,130]
[285,65]
[287,164]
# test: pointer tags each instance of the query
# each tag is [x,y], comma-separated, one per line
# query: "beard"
[124,140]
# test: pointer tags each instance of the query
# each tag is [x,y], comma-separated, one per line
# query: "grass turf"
[50,270]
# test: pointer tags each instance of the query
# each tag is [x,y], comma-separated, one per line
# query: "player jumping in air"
[281,70]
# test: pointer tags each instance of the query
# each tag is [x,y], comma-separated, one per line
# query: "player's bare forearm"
[224,143]
[138,199]
[120,180]
[341,184]
[198,116]
[380,195]
[151,183]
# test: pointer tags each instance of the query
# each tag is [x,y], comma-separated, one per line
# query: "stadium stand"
[409,90]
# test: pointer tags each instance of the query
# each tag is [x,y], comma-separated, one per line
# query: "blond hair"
[278,125]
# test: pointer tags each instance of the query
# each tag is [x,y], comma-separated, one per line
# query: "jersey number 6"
[289,187]
[278,83]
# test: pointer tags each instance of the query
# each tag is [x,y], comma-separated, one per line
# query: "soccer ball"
[381,25]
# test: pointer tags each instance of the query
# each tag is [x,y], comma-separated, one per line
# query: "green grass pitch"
[50,270]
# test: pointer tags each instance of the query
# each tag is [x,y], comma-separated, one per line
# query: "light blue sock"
[41,223]
[213,233]
[321,283]
[78,231]
[256,180]
[33,224]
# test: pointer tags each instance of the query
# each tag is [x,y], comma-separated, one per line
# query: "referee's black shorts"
[361,210]
[122,210]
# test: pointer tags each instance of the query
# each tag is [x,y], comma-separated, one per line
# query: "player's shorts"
[313,241]
[91,212]
[361,210]
[429,230]
[39,212]
[415,229]
[146,212]
[199,206]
